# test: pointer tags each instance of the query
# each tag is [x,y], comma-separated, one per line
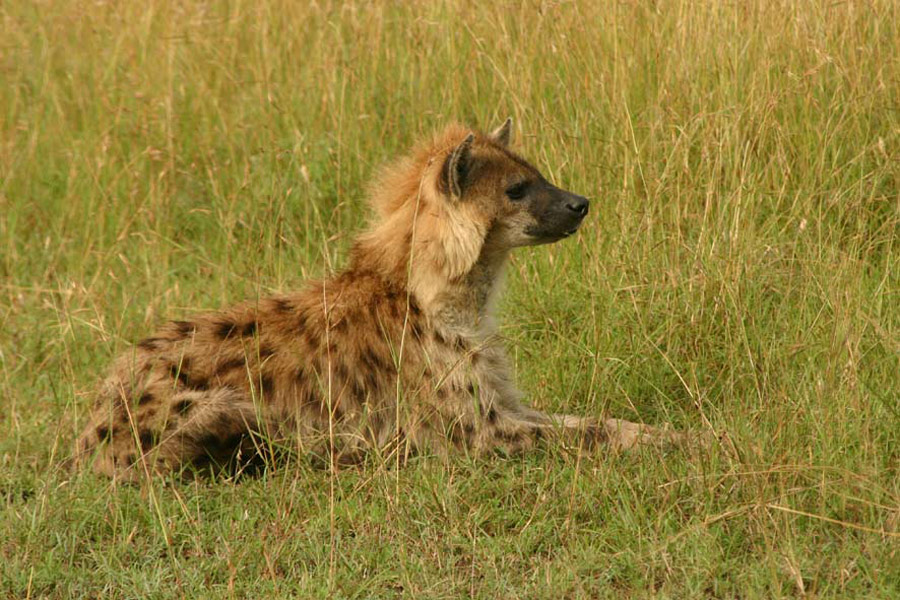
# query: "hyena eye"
[517,191]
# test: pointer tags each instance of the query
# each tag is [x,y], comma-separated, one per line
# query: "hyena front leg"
[524,426]
[619,434]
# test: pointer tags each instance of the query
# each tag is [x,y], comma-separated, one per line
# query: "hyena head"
[462,199]
[517,205]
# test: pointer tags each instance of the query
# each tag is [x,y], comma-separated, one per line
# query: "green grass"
[739,272]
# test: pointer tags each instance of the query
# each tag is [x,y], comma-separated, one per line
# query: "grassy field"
[739,272]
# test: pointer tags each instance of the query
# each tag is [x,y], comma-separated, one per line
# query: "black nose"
[578,205]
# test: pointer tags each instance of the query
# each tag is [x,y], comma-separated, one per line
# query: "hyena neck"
[462,305]
[466,306]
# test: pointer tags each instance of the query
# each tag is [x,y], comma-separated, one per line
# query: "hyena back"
[401,347]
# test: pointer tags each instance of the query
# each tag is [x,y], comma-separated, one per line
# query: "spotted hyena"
[397,353]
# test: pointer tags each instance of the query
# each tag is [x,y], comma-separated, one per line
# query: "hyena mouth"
[554,235]
[572,230]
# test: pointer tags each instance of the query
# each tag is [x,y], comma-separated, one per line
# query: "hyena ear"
[503,134]
[458,166]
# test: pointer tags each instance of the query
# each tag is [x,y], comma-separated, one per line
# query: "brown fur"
[401,346]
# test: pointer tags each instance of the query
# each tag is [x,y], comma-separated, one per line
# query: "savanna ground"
[738,274]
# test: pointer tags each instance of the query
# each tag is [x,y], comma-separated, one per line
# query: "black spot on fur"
[311,339]
[266,385]
[265,352]
[145,398]
[249,329]
[441,393]
[509,437]
[146,439]
[357,390]
[103,433]
[223,329]
[231,364]
[470,389]
[438,338]
[491,415]
[416,328]
[151,343]
[373,361]
[184,328]
[183,407]
[178,372]
[281,305]
[128,459]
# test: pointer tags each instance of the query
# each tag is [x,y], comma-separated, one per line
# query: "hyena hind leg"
[223,428]
[199,428]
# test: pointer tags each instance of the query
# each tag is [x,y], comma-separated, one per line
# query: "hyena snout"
[578,205]
[558,214]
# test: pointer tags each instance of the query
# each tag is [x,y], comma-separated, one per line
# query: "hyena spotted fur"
[399,352]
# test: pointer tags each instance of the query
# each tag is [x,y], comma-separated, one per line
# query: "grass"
[739,273]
